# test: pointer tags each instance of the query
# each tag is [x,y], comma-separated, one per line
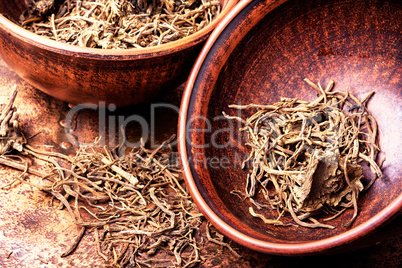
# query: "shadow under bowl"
[87,75]
[261,52]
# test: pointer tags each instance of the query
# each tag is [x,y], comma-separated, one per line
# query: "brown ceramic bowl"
[77,75]
[262,51]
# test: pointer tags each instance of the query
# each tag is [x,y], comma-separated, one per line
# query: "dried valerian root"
[219,240]
[11,138]
[41,7]
[118,24]
[135,205]
[307,156]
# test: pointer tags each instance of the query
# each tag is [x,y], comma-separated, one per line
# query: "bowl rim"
[309,247]
[130,53]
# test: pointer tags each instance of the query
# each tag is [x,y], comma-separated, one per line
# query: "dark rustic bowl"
[77,75]
[262,51]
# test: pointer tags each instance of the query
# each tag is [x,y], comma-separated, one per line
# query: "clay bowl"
[80,75]
[262,51]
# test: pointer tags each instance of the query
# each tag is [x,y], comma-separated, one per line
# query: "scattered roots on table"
[135,205]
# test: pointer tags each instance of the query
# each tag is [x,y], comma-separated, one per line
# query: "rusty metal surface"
[35,234]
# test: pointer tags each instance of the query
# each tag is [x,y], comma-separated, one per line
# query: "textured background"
[34,234]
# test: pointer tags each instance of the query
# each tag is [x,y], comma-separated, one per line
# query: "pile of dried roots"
[307,156]
[117,24]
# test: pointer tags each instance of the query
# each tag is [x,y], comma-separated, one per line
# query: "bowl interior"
[12,12]
[77,74]
[263,54]
[12,9]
